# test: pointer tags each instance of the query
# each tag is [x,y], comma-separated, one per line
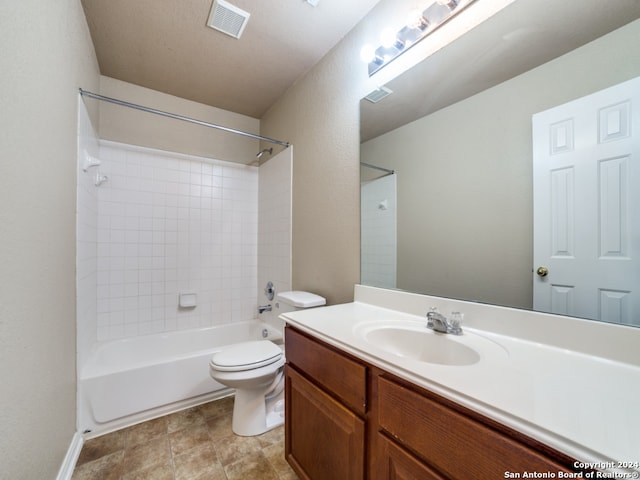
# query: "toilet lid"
[246,356]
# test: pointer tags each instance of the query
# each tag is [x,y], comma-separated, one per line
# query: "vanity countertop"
[581,404]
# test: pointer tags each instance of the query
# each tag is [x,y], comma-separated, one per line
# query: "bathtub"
[134,379]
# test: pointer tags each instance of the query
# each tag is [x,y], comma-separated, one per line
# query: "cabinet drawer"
[336,373]
[456,445]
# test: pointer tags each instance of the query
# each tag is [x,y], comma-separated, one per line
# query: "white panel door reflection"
[586,171]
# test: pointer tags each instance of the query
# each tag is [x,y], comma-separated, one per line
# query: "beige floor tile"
[188,438]
[147,455]
[146,431]
[233,447]
[185,419]
[195,444]
[214,473]
[98,447]
[219,427]
[275,436]
[198,462]
[108,467]
[161,471]
[275,455]
[254,466]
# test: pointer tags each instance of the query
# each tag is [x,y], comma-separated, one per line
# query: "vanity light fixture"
[420,23]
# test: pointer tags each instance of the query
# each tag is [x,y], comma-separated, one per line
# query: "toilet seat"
[246,356]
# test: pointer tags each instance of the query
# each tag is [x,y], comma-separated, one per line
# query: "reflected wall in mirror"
[457,130]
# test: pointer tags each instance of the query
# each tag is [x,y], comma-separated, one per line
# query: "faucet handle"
[455,322]
[269,290]
[433,311]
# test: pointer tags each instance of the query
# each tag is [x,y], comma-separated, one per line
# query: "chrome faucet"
[264,308]
[439,323]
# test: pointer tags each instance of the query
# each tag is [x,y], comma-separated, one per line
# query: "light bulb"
[414,19]
[448,3]
[388,38]
[367,53]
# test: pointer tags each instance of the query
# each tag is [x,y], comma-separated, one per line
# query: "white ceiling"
[165,45]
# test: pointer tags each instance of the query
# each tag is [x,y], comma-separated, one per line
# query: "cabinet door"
[323,439]
[394,463]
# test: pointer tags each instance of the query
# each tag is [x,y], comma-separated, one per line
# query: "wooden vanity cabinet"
[325,398]
[346,419]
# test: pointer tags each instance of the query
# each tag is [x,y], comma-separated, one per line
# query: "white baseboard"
[70,459]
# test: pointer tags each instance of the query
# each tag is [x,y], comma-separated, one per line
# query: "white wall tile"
[378,231]
[165,224]
[157,236]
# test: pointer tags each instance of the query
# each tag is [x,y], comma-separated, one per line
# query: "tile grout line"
[173,464]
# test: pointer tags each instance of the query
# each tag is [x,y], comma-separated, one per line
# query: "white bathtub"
[130,380]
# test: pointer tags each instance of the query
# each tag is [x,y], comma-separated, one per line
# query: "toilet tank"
[297,300]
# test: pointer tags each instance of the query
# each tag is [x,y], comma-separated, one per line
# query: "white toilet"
[256,370]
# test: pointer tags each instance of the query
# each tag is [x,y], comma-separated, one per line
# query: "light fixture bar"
[436,15]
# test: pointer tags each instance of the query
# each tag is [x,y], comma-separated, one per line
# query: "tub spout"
[264,308]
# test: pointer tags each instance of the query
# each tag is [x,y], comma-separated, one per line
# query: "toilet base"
[253,414]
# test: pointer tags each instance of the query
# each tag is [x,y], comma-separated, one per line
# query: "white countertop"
[584,405]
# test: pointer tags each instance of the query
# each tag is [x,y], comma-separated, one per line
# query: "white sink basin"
[416,342]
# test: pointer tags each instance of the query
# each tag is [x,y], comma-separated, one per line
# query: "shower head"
[266,150]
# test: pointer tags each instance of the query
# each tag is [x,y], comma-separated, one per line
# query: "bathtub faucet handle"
[269,291]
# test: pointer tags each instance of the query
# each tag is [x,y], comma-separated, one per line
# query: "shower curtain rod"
[390,172]
[86,93]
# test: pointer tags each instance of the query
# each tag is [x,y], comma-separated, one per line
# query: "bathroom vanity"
[371,393]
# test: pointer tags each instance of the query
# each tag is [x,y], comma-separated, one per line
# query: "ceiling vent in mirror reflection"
[378,94]
[227,18]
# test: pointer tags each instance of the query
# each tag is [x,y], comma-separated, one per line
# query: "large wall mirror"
[457,133]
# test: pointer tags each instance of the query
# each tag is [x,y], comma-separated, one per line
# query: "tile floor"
[193,444]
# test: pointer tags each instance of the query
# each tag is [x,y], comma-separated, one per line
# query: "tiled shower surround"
[166,223]
[378,231]
[170,224]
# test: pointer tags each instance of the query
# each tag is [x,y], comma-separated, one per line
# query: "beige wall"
[465,176]
[319,115]
[126,125]
[45,55]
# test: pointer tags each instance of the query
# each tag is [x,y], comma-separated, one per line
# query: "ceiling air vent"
[378,94]
[227,18]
